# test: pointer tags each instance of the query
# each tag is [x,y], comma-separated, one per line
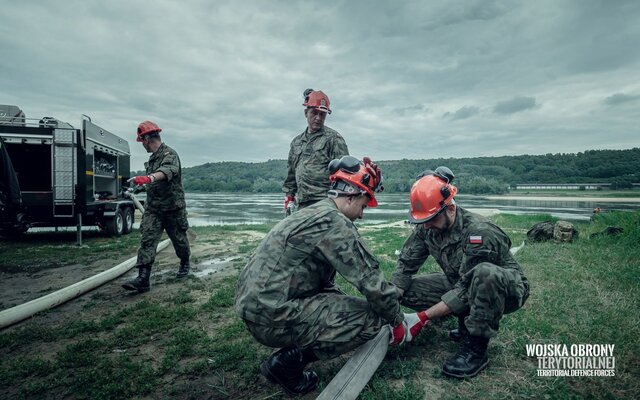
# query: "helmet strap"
[341,188]
[334,194]
[446,215]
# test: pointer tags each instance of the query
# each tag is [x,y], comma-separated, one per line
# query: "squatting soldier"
[307,177]
[481,279]
[287,295]
[165,208]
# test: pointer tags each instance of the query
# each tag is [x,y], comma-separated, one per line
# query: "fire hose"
[18,313]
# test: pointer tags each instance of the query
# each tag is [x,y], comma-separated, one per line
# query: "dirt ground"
[211,258]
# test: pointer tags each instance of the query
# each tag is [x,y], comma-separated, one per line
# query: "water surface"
[251,208]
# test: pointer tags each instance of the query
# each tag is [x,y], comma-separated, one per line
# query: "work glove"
[398,333]
[287,200]
[141,180]
[415,322]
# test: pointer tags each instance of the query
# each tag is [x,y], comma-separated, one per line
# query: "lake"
[251,208]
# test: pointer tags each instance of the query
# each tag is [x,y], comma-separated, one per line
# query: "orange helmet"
[317,99]
[348,175]
[146,128]
[431,194]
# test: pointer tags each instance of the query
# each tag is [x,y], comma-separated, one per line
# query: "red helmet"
[349,174]
[317,99]
[431,194]
[146,128]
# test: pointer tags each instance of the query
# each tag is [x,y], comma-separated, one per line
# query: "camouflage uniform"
[287,295]
[309,155]
[481,279]
[165,208]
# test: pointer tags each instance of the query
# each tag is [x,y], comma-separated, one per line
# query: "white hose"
[18,313]
[136,202]
[514,250]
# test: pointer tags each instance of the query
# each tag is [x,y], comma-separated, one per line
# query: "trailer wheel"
[129,219]
[115,225]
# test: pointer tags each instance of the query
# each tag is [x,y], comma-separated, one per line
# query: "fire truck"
[53,175]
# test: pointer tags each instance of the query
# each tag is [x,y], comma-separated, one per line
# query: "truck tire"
[12,233]
[129,219]
[115,226]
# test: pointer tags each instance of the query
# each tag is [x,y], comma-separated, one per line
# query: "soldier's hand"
[141,180]
[415,322]
[398,333]
[287,200]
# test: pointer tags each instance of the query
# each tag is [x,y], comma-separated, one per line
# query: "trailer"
[54,175]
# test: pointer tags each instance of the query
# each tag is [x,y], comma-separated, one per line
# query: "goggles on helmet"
[351,177]
[347,164]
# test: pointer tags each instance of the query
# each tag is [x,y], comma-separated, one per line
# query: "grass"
[186,342]
[36,251]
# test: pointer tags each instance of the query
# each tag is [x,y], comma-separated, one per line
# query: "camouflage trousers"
[175,223]
[330,324]
[492,291]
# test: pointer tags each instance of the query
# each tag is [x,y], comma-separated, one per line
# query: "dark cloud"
[620,98]
[514,105]
[462,13]
[225,79]
[418,108]
[462,113]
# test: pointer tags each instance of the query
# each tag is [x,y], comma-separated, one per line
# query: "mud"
[212,257]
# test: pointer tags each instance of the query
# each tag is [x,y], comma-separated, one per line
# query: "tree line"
[474,175]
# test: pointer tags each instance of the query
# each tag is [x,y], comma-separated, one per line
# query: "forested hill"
[473,175]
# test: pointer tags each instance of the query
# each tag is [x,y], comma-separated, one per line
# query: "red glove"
[288,200]
[141,180]
[398,333]
[415,322]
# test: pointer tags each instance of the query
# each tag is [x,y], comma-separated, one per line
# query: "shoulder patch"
[475,239]
[168,152]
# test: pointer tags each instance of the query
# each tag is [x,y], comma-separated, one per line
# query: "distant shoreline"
[566,198]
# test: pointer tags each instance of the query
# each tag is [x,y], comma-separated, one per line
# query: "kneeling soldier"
[481,279]
[287,296]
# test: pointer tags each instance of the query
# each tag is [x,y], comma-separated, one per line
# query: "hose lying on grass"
[18,313]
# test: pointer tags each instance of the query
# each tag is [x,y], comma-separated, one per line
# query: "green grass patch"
[223,295]
[35,251]
[188,343]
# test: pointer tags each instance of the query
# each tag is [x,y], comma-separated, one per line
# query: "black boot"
[286,366]
[470,360]
[141,283]
[184,269]
[458,334]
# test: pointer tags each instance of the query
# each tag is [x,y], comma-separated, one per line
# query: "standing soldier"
[165,208]
[481,279]
[307,177]
[287,296]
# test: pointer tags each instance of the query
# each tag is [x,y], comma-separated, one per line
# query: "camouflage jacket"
[299,259]
[309,156]
[167,194]
[471,240]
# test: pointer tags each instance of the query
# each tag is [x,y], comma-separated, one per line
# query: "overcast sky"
[406,79]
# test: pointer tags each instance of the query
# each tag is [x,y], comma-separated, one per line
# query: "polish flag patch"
[475,239]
